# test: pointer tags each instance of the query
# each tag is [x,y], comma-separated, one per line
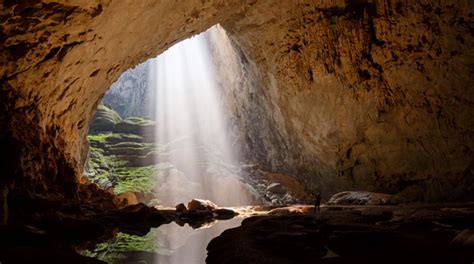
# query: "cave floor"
[413,233]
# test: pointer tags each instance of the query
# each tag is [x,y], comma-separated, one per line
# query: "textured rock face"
[370,95]
[373,95]
[104,120]
[366,198]
[131,94]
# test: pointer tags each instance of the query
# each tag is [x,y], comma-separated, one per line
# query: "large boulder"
[127,198]
[276,188]
[464,239]
[181,208]
[199,204]
[362,198]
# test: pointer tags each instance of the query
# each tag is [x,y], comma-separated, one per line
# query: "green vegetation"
[121,144]
[116,250]
[103,139]
[116,164]
[104,120]
[98,167]
[120,157]
[133,145]
[137,180]
[97,140]
[131,149]
[138,120]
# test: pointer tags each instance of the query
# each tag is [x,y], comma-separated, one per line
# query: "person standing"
[317,203]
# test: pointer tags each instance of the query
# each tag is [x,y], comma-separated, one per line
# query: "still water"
[167,244]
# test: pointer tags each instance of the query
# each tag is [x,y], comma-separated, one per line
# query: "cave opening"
[163,126]
[162,136]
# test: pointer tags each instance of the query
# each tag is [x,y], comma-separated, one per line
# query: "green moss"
[129,151]
[134,145]
[116,250]
[138,179]
[118,160]
[121,137]
[104,140]
[97,141]
[127,242]
[115,162]
[131,148]
[97,158]
[100,138]
[138,120]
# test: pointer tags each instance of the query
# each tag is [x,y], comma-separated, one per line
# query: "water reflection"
[167,244]
[188,245]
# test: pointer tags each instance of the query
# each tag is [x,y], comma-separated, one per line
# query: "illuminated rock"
[199,204]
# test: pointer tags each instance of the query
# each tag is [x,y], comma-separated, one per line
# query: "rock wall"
[132,94]
[360,94]
[372,95]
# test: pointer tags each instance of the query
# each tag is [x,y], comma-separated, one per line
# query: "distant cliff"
[130,95]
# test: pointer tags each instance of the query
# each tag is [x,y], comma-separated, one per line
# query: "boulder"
[464,239]
[291,210]
[276,188]
[127,198]
[223,214]
[181,208]
[199,204]
[362,198]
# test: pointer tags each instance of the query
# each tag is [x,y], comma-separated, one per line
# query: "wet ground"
[351,234]
[416,233]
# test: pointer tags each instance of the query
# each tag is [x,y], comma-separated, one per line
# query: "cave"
[366,106]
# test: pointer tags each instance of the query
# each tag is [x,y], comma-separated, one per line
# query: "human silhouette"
[317,203]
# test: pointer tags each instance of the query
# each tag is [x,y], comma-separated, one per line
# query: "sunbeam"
[192,127]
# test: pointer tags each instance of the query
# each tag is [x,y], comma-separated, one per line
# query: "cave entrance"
[160,135]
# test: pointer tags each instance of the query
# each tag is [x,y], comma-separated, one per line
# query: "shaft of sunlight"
[192,128]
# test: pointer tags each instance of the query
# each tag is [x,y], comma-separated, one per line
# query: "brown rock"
[276,188]
[222,213]
[127,198]
[361,197]
[295,209]
[181,208]
[465,239]
[199,204]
